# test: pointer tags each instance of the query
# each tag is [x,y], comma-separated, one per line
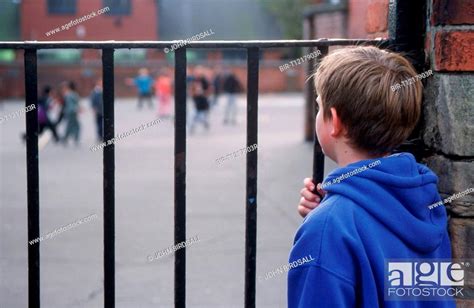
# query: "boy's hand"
[309,200]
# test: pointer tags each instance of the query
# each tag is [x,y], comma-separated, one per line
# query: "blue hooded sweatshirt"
[369,215]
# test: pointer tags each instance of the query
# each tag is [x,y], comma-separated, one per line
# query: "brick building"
[134,20]
[167,20]
[109,20]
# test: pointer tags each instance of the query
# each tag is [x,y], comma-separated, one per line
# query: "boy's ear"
[338,128]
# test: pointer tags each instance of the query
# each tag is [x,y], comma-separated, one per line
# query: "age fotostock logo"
[425,279]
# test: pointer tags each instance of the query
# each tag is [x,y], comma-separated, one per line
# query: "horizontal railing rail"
[190,44]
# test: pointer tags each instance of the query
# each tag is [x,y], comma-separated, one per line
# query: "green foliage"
[7,55]
[289,14]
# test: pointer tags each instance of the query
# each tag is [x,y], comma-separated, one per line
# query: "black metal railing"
[253,49]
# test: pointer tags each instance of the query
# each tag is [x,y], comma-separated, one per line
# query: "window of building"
[62,6]
[118,7]
[59,55]
[234,54]
[130,56]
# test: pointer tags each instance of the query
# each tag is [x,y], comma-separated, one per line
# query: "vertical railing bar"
[180,178]
[251,189]
[318,155]
[109,178]
[309,91]
[32,171]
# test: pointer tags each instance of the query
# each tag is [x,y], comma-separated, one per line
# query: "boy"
[44,120]
[97,104]
[376,214]
[71,112]
[200,90]
[144,84]
[231,87]
[164,90]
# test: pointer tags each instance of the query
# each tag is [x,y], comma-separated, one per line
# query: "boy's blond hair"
[357,82]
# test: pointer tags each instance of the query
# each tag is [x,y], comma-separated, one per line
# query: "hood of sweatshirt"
[396,191]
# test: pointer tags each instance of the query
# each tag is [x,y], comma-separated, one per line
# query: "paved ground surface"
[71,188]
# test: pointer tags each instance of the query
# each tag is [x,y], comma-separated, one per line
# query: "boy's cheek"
[322,141]
[323,135]
[318,126]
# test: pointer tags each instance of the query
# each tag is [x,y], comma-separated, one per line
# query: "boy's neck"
[348,155]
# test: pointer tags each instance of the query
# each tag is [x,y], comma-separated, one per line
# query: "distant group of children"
[145,85]
[61,105]
[199,88]
[66,103]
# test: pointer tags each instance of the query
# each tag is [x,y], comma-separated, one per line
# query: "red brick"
[90,54]
[12,78]
[427,46]
[453,12]
[428,41]
[377,16]
[214,55]
[376,35]
[357,18]
[272,55]
[454,51]
[141,24]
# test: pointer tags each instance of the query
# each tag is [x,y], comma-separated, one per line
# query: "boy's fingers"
[308,195]
[309,200]
[320,190]
[303,211]
[308,183]
[308,204]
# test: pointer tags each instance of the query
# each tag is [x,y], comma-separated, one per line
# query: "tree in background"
[289,14]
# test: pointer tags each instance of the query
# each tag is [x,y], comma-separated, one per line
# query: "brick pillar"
[377,16]
[449,114]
